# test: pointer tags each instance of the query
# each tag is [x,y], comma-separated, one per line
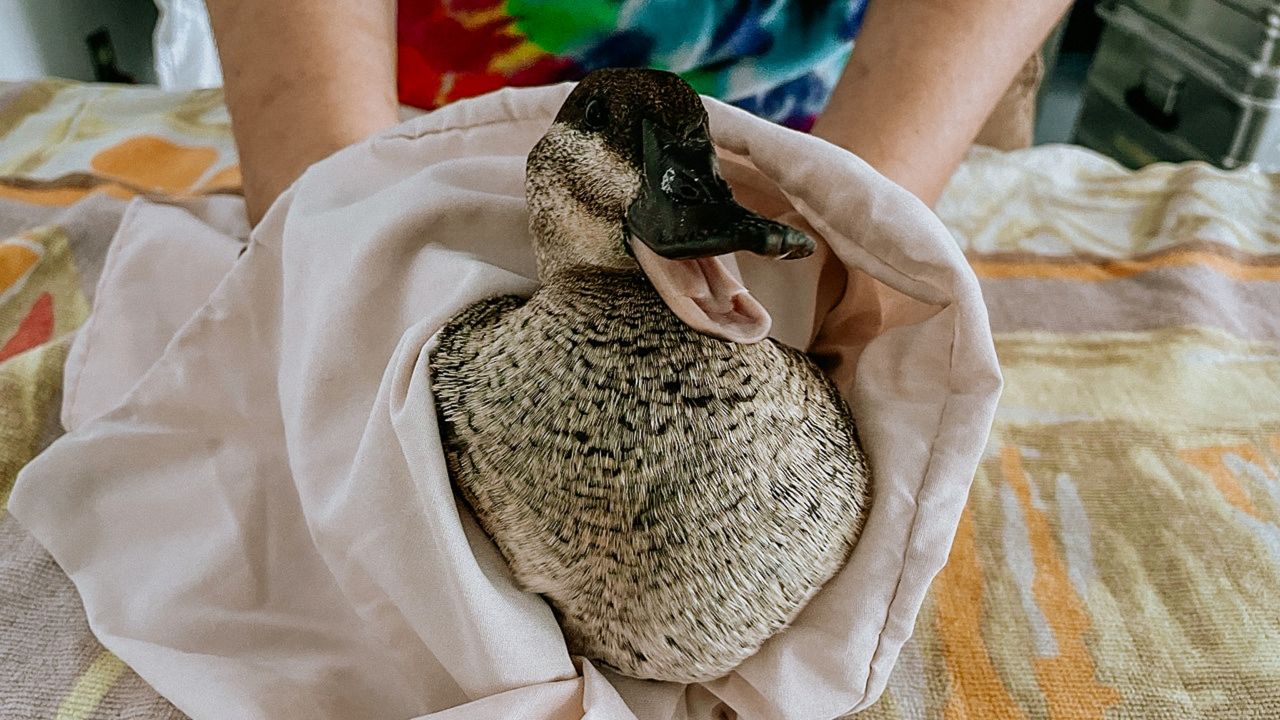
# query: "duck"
[673,482]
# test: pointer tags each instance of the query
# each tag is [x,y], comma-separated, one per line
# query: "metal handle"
[1155,98]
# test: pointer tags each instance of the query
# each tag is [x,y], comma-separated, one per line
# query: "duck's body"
[675,483]
[677,498]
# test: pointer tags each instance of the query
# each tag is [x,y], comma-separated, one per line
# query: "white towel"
[261,523]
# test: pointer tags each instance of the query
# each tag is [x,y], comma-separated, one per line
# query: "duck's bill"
[684,219]
[685,209]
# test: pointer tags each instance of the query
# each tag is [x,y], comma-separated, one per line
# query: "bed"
[1120,552]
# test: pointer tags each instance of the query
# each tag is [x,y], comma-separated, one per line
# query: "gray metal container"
[1245,33]
[1186,80]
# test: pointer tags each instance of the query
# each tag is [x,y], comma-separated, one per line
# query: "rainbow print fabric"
[778,59]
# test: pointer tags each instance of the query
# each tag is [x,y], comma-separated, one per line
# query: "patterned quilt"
[1120,553]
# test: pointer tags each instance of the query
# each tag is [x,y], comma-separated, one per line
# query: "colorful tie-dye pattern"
[1119,556]
[779,59]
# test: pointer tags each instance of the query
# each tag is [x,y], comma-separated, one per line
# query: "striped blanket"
[1120,553]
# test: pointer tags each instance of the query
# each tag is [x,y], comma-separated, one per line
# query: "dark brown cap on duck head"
[615,102]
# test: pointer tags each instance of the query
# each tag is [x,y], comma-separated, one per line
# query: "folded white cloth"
[255,506]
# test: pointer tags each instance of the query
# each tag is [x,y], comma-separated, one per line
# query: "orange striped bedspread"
[1120,553]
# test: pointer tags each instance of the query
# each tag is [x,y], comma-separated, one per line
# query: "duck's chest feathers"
[598,380]
[677,497]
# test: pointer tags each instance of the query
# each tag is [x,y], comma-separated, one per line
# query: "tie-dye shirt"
[779,59]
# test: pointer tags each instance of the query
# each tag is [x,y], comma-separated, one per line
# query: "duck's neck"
[613,293]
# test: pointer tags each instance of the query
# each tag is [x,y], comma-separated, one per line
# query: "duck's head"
[626,177]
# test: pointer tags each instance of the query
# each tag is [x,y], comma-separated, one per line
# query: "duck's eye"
[597,114]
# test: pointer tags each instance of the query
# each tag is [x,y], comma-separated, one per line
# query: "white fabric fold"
[254,505]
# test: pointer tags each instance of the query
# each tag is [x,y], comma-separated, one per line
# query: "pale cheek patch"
[596,167]
[579,190]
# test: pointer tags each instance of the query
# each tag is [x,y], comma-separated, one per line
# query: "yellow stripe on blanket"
[1100,271]
[91,687]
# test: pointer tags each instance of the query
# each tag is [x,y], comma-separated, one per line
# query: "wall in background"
[40,38]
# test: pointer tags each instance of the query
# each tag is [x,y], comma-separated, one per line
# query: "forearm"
[923,78]
[303,79]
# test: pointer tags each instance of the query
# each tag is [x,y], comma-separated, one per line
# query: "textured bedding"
[1120,552]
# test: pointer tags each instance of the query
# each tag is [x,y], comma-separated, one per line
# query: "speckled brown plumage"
[676,498]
